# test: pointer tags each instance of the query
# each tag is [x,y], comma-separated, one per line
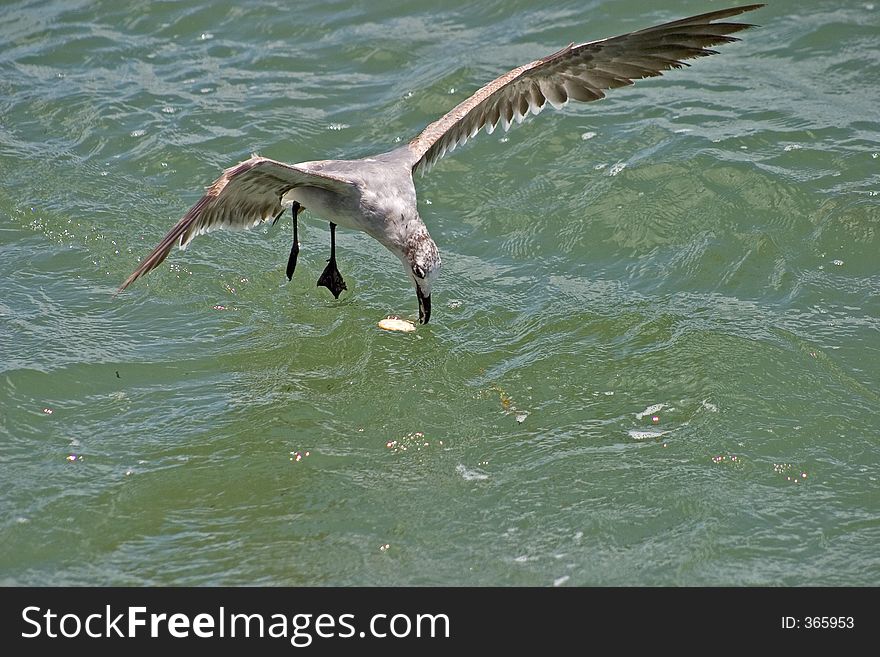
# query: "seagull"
[377,195]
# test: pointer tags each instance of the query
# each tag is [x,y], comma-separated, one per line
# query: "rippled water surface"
[654,356]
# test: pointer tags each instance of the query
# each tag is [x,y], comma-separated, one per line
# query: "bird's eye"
[418,271]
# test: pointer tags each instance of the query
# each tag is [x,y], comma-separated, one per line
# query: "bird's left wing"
[245,196]
[578,72]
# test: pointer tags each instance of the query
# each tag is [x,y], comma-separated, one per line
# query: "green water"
[701,247]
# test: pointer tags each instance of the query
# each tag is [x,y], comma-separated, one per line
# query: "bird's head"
[421,259]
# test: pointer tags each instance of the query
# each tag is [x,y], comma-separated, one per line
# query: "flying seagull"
[377,195]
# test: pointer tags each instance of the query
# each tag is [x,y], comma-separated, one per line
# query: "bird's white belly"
[339,209]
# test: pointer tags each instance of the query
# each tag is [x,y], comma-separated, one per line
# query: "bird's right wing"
[243,197]
[580,72]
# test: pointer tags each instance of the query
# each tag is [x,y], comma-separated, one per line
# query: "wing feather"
[577,72]
[245,196]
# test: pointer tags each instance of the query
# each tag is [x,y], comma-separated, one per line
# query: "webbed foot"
[332,279]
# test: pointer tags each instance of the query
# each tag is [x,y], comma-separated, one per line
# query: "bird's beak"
[424,306]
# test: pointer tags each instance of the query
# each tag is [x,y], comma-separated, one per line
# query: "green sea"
[654,352]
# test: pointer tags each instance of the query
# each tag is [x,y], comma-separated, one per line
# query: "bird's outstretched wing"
[243,197]
[579,72]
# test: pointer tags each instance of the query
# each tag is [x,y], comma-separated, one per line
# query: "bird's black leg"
[331,278]
[294,250]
